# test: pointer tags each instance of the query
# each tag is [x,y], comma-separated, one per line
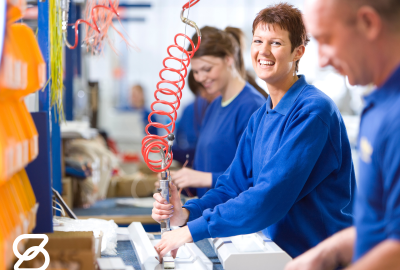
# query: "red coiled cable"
[94,25]
[154,143]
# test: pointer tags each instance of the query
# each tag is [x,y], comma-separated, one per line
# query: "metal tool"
[166,179]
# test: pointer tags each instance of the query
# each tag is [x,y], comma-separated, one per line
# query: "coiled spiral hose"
[155,143]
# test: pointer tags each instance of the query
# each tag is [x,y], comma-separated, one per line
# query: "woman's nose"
[200,77]
[265,50]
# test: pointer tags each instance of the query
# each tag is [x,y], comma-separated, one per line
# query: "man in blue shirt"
[361,39]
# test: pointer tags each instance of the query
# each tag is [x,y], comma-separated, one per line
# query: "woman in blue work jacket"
[187,129]
[292,176]
[219,67]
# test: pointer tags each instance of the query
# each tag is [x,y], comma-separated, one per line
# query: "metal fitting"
[190,23]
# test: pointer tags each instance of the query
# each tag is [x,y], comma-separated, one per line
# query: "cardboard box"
[135,185]
[67,250]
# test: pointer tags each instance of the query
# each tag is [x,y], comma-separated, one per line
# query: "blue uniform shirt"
[377,208]
[292,176]
[188,129]
[221,131]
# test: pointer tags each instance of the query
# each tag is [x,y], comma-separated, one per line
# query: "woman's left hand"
[172,240]
[191,178]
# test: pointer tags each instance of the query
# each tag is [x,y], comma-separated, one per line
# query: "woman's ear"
[299,52]
[229,61]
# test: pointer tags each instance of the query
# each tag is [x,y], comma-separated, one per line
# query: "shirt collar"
[290,97]
[382,93]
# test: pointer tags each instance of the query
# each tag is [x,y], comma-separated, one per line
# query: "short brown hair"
[288,18]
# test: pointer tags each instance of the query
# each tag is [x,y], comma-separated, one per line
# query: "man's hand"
[172,240]
[313,259]
[190,178]
[383,256]
[164,210]
[329,254]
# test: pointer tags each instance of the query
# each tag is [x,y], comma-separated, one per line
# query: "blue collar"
[384,92]
[290,97]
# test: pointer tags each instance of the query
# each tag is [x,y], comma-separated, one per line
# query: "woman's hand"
[164,210]
[172,240]
[190,178]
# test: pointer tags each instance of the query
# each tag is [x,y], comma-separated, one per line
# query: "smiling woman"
[292,175]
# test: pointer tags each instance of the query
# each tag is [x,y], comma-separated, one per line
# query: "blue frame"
[72,62]
[45,171]
[3,9]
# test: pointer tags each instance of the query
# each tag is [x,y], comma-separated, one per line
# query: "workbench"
[122,215]
[127,253]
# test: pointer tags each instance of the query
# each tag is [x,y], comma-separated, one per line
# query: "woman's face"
[212,72]
[271,54]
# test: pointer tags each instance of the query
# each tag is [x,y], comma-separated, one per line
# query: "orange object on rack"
[29,129]
[18,138]
[15,10]
[12,69]
[16,134]
[10,141]
[23,70]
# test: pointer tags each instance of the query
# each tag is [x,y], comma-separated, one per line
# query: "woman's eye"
[276,43]
[257,41]
[207,69]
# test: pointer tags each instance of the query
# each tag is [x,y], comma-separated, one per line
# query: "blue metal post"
[56,151]
[39,171]
[72,62]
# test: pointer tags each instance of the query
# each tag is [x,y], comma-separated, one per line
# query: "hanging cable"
[95,32]
[155,143]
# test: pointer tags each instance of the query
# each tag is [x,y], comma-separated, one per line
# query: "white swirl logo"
[31,252]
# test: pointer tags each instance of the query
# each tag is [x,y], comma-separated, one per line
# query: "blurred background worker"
[138,104]
[361,39]
[188,127]
[292,176]
[219,67]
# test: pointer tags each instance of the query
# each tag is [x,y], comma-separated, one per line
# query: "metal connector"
[190,23]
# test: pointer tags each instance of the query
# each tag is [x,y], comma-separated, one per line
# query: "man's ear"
[369,23]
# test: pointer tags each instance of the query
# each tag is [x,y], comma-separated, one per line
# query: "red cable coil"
[94,25]
[154,143]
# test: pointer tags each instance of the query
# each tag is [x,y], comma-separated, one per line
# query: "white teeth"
[264,62]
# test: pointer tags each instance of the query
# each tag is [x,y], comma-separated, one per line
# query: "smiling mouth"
[207,85]
[266,63]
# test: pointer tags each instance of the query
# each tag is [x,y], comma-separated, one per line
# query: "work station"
[199,134]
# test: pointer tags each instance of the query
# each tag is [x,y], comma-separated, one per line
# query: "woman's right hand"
[173,210]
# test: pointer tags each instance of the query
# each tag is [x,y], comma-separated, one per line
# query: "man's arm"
[386,256]
[335,251]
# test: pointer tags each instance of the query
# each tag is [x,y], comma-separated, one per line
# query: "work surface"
[108,209]
[127,253]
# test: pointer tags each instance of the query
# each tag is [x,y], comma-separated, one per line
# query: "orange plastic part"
[15,10]
[29,129]
[23,70]
[11,142]
[18,138]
